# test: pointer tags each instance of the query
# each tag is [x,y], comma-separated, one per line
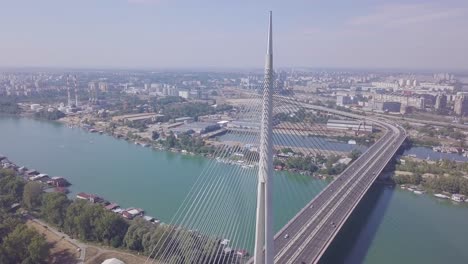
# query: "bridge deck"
[305,238]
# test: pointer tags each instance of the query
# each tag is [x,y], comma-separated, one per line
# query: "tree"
[354,155]
[110,229]
[52,115]
[287,150]
[154,135]
[32,195]
[170,141]
[7,172]
[24,245]
[11,189]
[450,184]
[7,224]
[134,237]
[90,222]
[9,107]
[77,222]
[464,186]
[54,208]
[38,249]
[153,241]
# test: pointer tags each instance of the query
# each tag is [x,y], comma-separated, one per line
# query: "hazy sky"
[230,34]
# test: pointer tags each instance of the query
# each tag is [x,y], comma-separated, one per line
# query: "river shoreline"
[158,181]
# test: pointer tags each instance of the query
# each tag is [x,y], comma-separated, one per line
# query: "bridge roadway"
[305,238]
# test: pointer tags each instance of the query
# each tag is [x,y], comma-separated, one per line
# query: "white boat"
[441,196]
[352,142]
[418,192]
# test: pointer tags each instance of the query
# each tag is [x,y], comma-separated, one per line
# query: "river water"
[390,225]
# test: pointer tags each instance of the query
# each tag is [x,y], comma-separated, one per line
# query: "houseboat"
[458,197]
[89,197]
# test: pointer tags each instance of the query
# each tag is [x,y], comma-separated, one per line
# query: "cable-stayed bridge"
[305,238]
[232,212]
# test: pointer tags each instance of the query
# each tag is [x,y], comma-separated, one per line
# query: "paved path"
[75,242]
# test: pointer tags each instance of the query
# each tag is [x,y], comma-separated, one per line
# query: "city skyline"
[160,34]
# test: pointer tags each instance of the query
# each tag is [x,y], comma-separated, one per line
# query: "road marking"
[322,208]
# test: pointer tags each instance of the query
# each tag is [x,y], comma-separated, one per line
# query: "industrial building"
[197,128]
[342,100]
[138,118]
[392,107]
[353,125]
[244,125]
[417,102]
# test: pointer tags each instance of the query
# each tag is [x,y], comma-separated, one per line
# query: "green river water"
[389,226]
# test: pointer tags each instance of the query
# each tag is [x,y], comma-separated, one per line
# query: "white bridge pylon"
[264,236]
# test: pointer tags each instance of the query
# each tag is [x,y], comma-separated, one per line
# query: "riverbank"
[444,179]
[243,151]
[60,184]
[418,189]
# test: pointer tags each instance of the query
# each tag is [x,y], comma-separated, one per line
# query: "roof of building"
[134,211]
[132,116]
[86,195]
[183,118]
[111,206]
[337,121]
[117,210]
[148,218]
[113,261]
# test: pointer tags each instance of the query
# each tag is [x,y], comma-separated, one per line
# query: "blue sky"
[232,34]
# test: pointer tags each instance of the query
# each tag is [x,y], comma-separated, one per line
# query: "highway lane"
[306,236]
[326,226]
[327,196]
[319,218]
[321,198]
[322,239]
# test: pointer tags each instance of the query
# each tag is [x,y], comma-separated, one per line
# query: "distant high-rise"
[93,92]
[103,87]
[75,85]
[69,103]
[401,82]
[461,105]
[441,102]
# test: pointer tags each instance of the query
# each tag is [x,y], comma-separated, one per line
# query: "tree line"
[447,176]
[186,142]
[9,107]
[18,242]
[92,223]
[49,115]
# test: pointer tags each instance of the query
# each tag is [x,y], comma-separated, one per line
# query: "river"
[390,226]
